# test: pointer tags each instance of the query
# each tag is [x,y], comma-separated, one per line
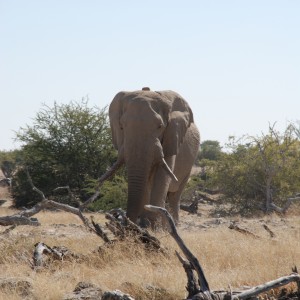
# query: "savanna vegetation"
[70,146]
[255,173]
[228,257]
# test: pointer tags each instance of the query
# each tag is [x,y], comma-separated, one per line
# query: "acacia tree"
[262,171]
[210,150]
[68,144]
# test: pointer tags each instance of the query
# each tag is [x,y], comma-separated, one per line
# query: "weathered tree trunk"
[189,255]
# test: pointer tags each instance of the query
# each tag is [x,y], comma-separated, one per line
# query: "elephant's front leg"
[160,186]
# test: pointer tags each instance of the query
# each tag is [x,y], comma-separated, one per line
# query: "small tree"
[210,150]
[261,170]
[8,162]
[66,145]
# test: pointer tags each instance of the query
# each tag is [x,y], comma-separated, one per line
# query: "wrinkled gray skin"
[150,129]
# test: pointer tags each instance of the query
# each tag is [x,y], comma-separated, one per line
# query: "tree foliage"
[67,145]
[9,161]
[113,193]
[260,171]
[210,150]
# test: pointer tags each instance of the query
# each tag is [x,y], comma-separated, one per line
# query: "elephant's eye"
[161,125]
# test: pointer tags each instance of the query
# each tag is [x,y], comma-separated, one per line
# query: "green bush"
[113,194]
[260,172]
[67,145]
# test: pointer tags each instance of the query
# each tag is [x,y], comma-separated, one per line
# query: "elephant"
[157,139]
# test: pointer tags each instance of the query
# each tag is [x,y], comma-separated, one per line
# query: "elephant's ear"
[115,113]
[180,119]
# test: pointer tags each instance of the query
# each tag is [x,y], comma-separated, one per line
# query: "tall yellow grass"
[227,257]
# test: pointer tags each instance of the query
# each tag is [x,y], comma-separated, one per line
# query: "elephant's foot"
[151,220]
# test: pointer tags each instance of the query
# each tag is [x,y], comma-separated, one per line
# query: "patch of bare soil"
[209,218]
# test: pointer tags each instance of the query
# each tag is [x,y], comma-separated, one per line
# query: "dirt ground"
[211,215]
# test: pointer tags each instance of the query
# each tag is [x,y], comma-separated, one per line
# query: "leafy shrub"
[66,145]
[113,194]
[260,171]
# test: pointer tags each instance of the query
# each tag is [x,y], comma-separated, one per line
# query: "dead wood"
[116,295]
[192,208]
[24,217]
[211,192]
[2,201]
[267,286]
[56,253]
[286,206]
[40,249]
[73,199]
[9,229]
[100,232]
[5,182]
[188,254]
[18,219]
[109,173]
[242,230]
[122,227]
[199,290]
[192,285]
[272,234]
[205,196]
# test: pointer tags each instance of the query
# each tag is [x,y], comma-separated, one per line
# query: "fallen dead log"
[23,218]
[100,232]
[42,250]
[243,230]
[116,295]
[192,208]
[199,289]
[18,219]
[121,227]
[205,196]
[272,234]
[286,206]
[267,287]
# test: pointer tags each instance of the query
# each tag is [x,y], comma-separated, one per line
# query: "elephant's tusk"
[168,170]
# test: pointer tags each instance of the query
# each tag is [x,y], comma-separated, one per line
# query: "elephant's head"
[146,128]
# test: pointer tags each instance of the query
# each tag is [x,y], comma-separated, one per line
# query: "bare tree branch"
[189,255]
[267,286]
[113,169]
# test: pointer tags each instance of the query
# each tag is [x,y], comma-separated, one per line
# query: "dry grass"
[227,257]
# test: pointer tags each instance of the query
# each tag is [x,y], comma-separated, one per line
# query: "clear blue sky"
[236,62]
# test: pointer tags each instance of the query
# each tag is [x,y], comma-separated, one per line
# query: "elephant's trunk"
[140,165]
[137,180]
